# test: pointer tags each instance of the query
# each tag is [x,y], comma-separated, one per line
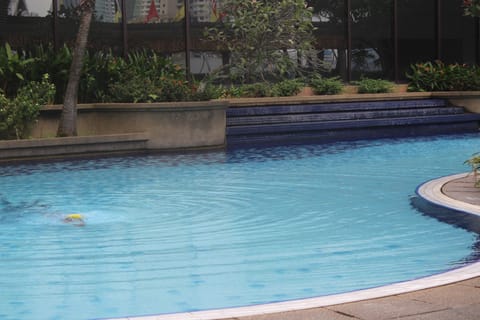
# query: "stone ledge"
[242,102]
[51,147]
[454,96]
[141,106]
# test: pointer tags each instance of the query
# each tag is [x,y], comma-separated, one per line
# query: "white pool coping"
[430,191]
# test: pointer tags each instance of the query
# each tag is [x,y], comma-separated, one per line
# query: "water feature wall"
[351,120]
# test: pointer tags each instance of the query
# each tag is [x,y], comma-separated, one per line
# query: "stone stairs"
[329,122]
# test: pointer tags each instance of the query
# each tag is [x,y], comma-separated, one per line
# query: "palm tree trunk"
[68,119]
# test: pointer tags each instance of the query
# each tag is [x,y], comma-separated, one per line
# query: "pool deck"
[454,295]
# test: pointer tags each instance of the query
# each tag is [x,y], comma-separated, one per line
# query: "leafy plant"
[233,92]
[13,67]
[132,87]
[326,86]
[256,90]
[145,77]
[55,63]
[260,37]
[438,76]
[173,90]
[17,114]
[287,88]
[6,120]
[206,91]
[367,85]
[471,8]
[474,163]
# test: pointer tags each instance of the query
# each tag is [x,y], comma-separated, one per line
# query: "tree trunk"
[68,119]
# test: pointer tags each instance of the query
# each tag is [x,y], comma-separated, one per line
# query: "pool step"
[326,122]
[14,150]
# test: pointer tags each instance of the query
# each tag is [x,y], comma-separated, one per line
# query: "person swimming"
[74,218]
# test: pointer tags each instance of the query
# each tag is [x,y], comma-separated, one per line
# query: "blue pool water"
[172,233]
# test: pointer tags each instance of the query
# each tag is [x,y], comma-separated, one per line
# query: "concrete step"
[69,146]
[346,121]
[337,116]
[352,134]
[336,107]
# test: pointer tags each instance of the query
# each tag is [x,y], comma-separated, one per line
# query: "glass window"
[372,43]
[416,33]
[329,21]
[29,8]
[24,23]
[156,24]
[458,33]
[105,29]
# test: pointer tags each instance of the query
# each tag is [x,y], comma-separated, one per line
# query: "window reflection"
[29,8]
[329,21]
[154,11]
[105,10]
[108,11]
[457,46]
[372,46]
[25,23]
[155,24]
[416,32]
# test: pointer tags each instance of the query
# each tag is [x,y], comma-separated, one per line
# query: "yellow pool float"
[74,216]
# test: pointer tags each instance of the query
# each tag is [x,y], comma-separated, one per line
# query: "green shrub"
[256,90]
[146,77]
[105,77]
[233,92]
[132,88]
[367,85]
[474,163]
[17,114]
[171,89]
[55,63]
[287,88]
[100,69]
[207,91]
[13,69]
[326,85]
[438,76]
[6,120]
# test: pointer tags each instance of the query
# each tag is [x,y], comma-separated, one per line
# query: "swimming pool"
[173,233]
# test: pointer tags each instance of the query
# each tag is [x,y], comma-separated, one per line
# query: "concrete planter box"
[124,127]
[168,125]
[470,100]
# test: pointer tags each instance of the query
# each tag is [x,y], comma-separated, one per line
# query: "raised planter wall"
[167,125]
[124,128]
[470,100]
